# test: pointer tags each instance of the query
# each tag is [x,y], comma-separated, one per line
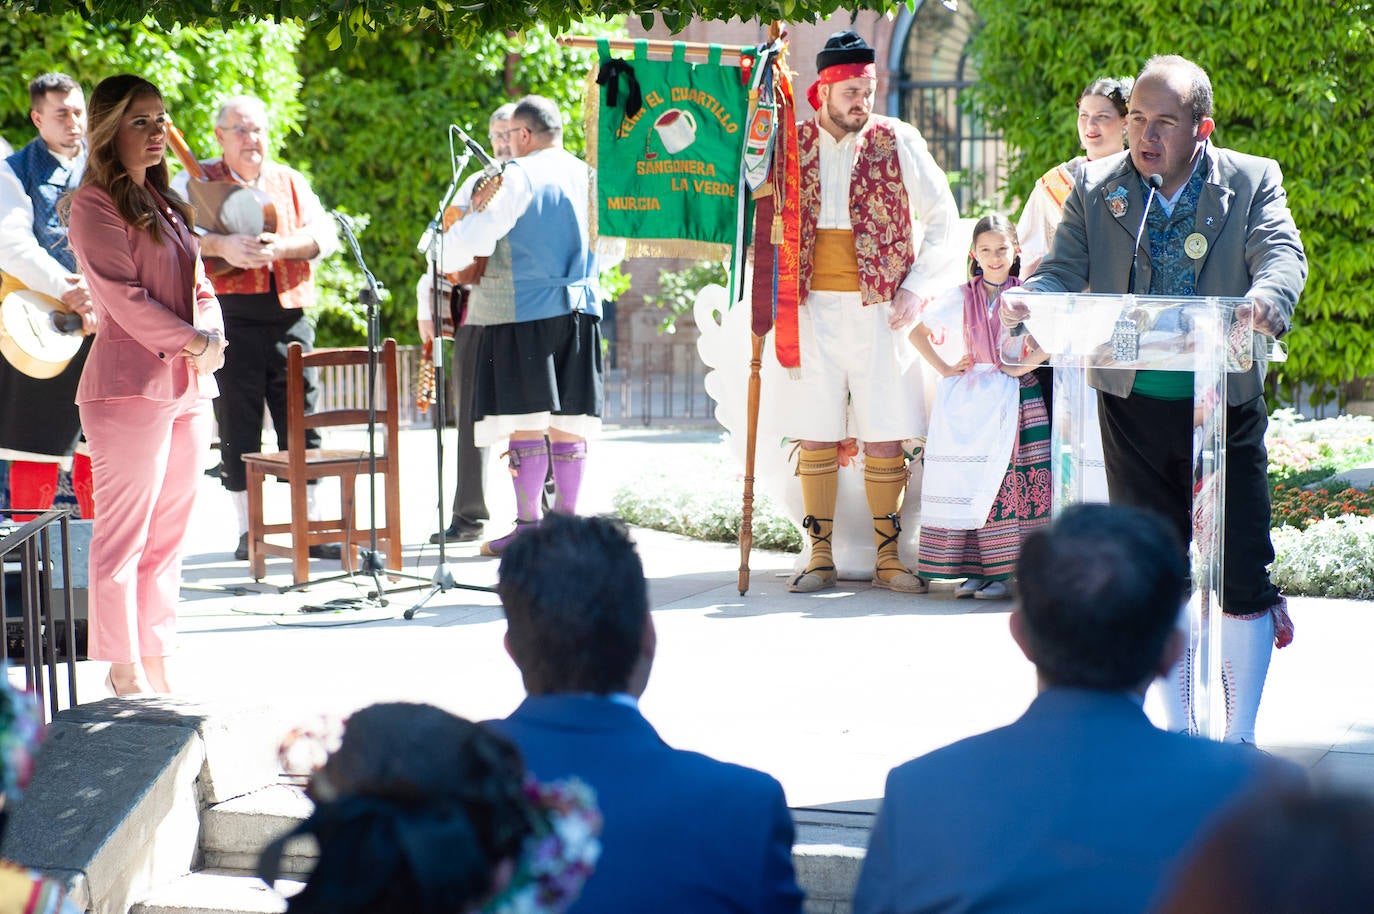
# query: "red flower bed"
[1297,507]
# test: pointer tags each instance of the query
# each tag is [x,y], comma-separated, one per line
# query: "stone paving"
[827,692]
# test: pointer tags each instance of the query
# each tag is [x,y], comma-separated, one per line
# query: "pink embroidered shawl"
[980,327]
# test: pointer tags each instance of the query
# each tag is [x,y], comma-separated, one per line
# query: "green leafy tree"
[348,23]
[1290,83]
[376,139]
[677,290]
[193,66]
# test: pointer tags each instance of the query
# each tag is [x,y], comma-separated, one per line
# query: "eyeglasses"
[244,133]
[501,134]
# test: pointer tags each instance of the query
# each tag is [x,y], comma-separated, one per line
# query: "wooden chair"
[298,465]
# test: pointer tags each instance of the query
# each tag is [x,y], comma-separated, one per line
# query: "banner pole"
[746,528]
[694,49]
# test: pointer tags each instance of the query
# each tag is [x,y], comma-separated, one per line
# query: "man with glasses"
[263,299]
[484,299]
[539,360]
[1219,224]
[34,255]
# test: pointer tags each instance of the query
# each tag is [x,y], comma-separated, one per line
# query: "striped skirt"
[1022,505]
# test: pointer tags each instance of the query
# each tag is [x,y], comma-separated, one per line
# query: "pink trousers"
[146,463]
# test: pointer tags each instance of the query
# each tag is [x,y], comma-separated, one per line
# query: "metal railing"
[30,546]
[657,382]
[341,385]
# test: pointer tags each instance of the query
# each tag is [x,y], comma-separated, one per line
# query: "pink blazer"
[150,297]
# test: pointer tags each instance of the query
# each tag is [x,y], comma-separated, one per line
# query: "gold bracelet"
[203,349]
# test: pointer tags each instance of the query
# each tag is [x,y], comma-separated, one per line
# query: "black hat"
[844,47]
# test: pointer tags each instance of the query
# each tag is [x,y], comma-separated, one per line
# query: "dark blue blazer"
[684,833]
[1081,806]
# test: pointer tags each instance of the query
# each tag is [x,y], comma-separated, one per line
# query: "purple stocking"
[529,464]
[569,458]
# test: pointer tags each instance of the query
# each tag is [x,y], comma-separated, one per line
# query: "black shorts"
[551,365]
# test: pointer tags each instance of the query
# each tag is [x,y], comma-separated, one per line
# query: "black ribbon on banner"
[609,76]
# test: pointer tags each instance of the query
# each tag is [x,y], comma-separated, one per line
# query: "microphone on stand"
[488,183]
[1155,182]
[490,166]
[490,169]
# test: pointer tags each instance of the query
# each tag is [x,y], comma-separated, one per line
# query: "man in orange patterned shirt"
[264,302]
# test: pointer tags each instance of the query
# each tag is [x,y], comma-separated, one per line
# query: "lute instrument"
[222,207]
[39,335]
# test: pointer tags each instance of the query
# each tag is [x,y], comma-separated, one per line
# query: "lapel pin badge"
[1195,246]
[1117,202]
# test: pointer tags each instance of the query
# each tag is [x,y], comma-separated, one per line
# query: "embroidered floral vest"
[295,278]
[879,209]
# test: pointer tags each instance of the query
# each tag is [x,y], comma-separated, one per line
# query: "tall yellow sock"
[820,482]
[884,483]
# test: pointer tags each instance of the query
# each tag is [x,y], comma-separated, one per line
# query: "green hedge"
[1291,82]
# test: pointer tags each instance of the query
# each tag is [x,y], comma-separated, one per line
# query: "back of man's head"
[540,116]
[1100,592]
[576,605]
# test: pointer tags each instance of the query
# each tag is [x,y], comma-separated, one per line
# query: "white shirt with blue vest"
[541,212]
[33,241]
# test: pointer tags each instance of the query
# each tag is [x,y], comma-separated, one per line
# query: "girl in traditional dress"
[986,482]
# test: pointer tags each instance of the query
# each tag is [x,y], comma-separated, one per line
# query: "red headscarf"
[838,74]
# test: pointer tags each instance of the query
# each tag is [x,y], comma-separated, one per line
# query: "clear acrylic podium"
[1205,336]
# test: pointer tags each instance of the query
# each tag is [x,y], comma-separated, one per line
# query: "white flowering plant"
[1330,558]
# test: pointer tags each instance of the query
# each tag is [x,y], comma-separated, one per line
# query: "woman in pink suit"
[146,389]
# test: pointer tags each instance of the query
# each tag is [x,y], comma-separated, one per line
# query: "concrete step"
[233,833]
[828,852]
[217,892]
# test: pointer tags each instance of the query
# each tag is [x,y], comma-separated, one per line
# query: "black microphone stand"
[433,243]
[1155,182]
[371,561]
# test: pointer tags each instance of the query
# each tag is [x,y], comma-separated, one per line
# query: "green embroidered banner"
[668,175]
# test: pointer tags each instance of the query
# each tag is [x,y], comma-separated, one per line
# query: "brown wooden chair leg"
[393,517]
[348,519]
[300,533]
[257,559]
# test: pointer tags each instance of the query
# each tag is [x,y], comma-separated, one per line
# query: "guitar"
[424,386]
[38,335]
[222,207]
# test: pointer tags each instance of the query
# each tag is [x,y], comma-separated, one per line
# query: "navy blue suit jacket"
[1081,805]
[684,833]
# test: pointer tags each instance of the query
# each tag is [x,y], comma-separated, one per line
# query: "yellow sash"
[1058,183]
[836,263]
